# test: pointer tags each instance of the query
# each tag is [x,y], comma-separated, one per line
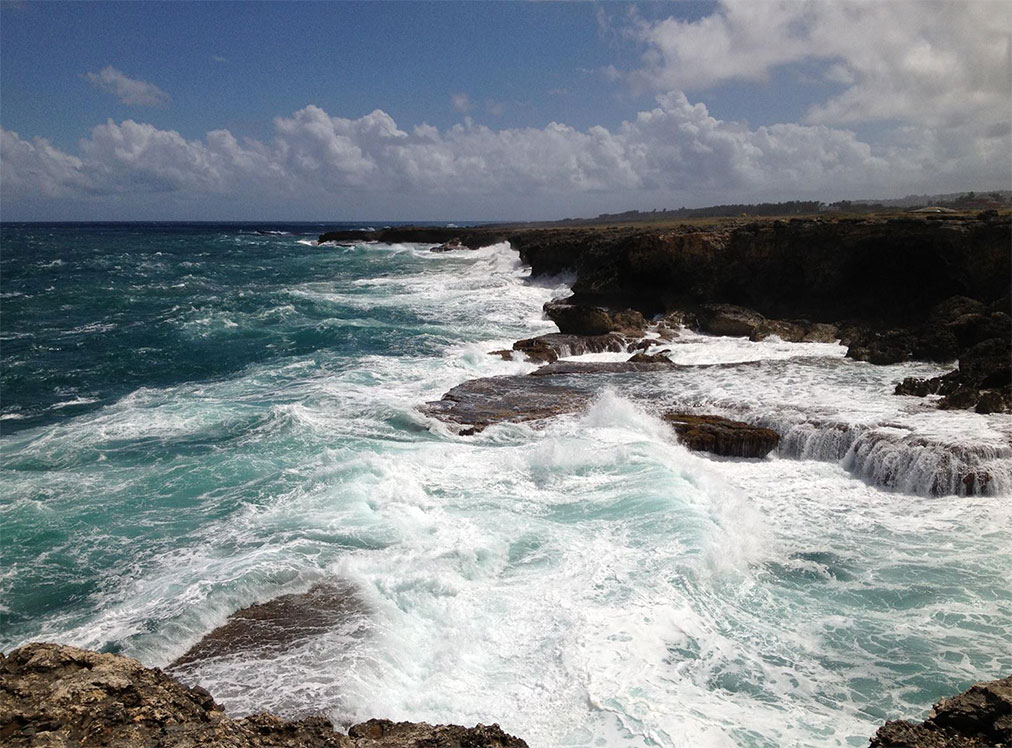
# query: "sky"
[362,111]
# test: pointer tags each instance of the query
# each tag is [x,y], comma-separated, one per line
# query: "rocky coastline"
[57,696]
[892,289]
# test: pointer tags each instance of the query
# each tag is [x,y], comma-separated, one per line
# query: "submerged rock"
[722,436]
[980,717]
[281,623]
[60,697]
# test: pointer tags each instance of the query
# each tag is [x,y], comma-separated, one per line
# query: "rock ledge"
[56,696]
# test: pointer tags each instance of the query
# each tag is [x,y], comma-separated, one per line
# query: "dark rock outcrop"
[728,319]
[907,287]
[281,623]
[478,403]
[451,245]
[651,358]
[553,346]
[587,319]
[579,319]
[983,381]
[52,695]
[64,697]
[722,436]
[382,733]
[605,367]
[980,717]
[886,272]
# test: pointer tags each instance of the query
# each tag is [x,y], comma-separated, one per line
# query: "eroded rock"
[729,320]
[579,319]
[479,403]
[553,346]
[382,733]
[281,623]
[722,436]
[980,717]
[54,696]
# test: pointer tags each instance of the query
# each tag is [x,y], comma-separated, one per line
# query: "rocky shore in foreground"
[54,696]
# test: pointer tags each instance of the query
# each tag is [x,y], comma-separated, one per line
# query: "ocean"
[200,417]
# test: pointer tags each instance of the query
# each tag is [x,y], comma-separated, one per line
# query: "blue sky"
[491,110]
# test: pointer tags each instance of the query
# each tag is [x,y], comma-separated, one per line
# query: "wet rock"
[61,697]
[279,624]
[579,319]
[651,358]
[451,245]
[382,733]
[628,322]
[553,346]
[918,387]
[789,332]
[795,331]
[880,347]
[980,717]
[983,381]
[479,403]
[604,367]
[52,695]
[722,436]
[728,319]
[821,332]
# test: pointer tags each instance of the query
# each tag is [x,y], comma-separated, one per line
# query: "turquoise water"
[200,417]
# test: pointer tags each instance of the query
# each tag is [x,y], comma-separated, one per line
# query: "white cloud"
[461,102]
[35,168]
[936,63]
[675,153]
[128,90]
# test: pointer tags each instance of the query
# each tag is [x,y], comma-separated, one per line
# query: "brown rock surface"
[980,717]
[722,436]
[478,403]
[278,624]
[553,346]
[54,696]
[382,733]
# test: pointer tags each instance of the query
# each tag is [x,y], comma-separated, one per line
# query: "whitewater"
[197,418]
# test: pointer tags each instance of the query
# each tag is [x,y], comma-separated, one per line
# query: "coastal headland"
[892,288]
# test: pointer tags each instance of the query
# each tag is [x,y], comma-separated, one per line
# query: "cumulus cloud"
[675,148]
[461,102]
[128,90]
[936,63]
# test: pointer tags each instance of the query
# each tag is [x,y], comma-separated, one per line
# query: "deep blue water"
[91,312]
